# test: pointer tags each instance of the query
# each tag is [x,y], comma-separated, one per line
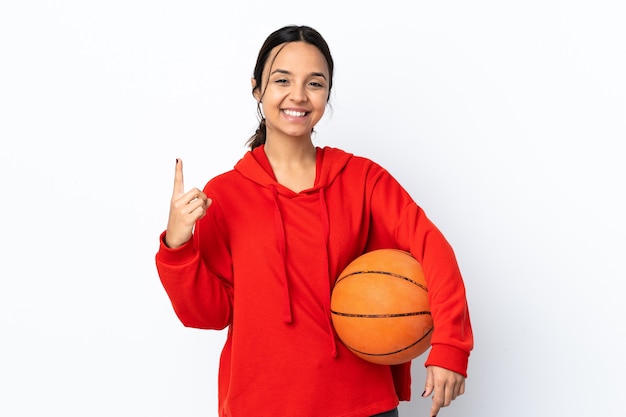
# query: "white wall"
[503,120]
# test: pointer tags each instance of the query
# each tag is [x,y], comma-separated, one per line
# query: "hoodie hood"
[256,167]
[330,162]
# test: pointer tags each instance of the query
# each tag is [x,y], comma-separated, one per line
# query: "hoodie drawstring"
[326,235]
[282,246]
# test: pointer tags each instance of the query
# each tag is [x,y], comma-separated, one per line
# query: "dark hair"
[286,34]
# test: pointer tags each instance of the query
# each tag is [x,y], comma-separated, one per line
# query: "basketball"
[379,307]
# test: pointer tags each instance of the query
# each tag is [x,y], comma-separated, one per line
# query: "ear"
[255,90]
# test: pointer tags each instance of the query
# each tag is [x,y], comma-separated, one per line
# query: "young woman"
[257,251]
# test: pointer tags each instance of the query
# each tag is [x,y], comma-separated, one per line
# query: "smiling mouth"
[294,113]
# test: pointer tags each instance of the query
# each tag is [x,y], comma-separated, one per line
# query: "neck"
[293,163]
[289,152]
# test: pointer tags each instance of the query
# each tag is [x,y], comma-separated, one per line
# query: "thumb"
[179,184]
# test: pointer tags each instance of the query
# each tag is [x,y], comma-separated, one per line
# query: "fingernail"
[423,393]
[177,160]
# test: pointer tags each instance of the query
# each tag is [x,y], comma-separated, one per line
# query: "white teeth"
[294,113]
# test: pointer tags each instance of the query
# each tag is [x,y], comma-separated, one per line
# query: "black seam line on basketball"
[385,273]
[380,316]
[391,353]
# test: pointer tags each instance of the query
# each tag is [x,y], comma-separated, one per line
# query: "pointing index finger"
[179,185]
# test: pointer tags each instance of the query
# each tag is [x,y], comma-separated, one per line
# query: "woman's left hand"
[444,385]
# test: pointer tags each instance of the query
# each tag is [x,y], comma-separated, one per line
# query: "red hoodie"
[263,261]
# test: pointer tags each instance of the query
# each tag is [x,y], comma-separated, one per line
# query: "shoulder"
[232,177]
[225,179]
[351,160]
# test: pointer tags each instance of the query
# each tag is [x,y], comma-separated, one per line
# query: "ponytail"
[258,138]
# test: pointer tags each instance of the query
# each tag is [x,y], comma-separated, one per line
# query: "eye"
[281,81]
[316,84]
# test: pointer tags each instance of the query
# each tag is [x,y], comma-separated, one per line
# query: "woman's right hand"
[185,209]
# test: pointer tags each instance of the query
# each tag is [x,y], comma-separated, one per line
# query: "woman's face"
[294,91]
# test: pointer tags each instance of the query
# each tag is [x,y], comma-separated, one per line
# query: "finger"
[200,202]
[200,211]
[456,390]
[434,409]
[179,184]
[442,397]
[429,384]
[192,196]
[449,394]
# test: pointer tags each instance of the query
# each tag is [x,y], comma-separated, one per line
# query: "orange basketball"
[379,307]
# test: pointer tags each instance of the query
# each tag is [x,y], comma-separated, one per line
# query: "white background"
[505,120]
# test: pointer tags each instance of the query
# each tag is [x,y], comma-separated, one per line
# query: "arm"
[397,221]
[199,298]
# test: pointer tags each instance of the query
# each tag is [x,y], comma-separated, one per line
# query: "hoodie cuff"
[448,357]
[179,256]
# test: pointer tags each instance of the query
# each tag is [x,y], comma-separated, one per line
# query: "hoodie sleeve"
[196,276]
[397,220]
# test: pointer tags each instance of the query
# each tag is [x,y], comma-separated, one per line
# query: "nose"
[298,93]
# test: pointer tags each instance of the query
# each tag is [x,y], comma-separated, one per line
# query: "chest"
[306,226]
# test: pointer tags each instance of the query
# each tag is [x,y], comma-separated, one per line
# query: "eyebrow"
[282,71]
